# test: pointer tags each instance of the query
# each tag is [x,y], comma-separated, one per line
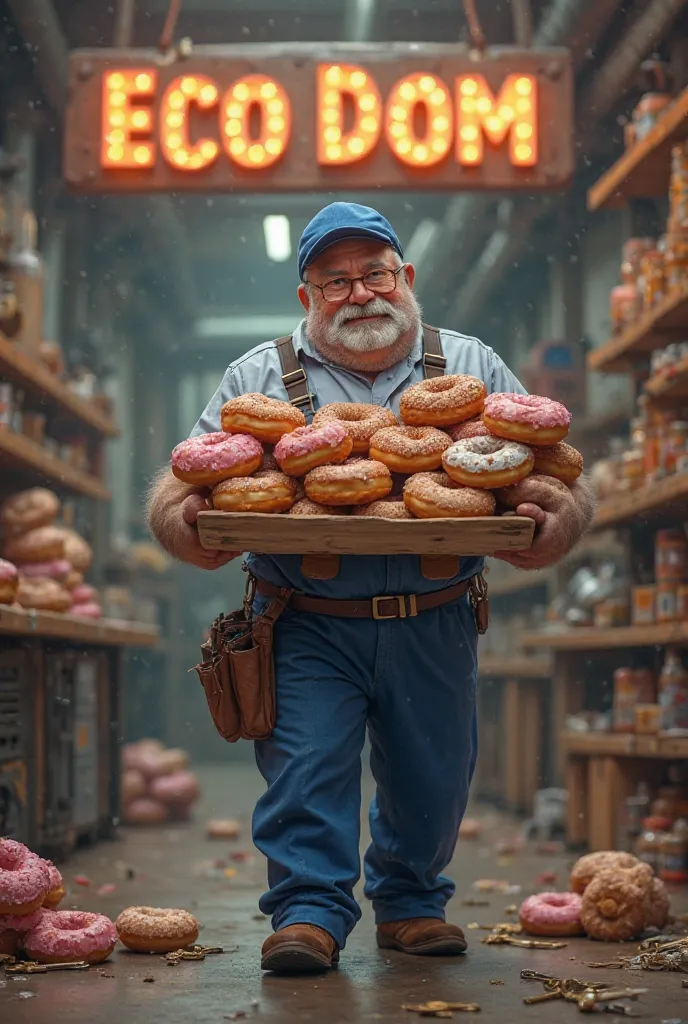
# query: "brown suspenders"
[296,382]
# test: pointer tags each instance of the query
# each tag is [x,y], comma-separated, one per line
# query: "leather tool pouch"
[237,669]
[477,595]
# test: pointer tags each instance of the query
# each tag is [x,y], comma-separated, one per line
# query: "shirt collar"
[303,344]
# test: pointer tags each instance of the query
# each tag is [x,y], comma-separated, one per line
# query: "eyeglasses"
[381,281]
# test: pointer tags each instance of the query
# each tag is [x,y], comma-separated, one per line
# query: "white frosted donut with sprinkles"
[530,419]
[487,462]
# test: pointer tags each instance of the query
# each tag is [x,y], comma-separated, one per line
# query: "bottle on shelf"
[25,270]
[673,692]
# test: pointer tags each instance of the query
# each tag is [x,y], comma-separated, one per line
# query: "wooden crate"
[354,535]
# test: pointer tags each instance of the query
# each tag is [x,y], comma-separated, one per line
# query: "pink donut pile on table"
[85,602]
[155,785]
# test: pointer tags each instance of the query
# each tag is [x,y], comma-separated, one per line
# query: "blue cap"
[341,221]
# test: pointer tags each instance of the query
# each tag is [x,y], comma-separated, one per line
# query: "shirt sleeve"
[210,419]
[503,380]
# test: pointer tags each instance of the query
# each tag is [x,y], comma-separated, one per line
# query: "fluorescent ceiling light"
[277,237]
[262,327]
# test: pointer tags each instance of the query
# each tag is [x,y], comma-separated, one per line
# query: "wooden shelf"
[517,580]
[23,453]
[517,666]
[659,497]
[604,744]
[665,322]
[30,375]
[644,168]
[672,384]
[99,632]
[589,638]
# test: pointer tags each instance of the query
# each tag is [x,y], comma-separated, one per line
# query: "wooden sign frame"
[393,141]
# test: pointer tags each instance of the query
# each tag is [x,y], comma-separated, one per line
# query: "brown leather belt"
[397,606]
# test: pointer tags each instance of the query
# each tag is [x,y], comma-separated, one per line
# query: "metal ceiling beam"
[359,20]
[40,29]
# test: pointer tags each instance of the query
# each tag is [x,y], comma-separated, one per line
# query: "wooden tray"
[344,535]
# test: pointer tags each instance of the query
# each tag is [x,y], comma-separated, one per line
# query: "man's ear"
[410,273]
[304,297]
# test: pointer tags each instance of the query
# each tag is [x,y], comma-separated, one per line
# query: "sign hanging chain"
[474,27]
[169,28]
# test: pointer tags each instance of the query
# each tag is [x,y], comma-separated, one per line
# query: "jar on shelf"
[676,261]
[673,855]
[632,470]
[625,700]
[651,278]
[631,254]
[674,445]
[666,602]
[671,556]
[623,306]
[678,189]
[647,847]
[25,270]
[673,692]
[648,719]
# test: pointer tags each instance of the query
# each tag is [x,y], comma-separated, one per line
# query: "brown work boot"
[422,936]
[299,949]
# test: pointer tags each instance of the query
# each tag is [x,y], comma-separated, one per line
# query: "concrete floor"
[174,867]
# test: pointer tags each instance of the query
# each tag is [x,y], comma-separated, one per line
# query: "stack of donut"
[44,563]
[156,786]
[458,450]
[30,891]
[614,897]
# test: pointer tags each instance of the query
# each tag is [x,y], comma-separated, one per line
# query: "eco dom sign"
[219,123]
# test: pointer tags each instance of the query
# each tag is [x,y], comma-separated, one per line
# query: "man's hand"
[173,509]
[561,516]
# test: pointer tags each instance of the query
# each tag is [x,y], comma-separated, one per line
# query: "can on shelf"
[674,445]
[631,688]
[671,556]
[643,605]
[666,605]
[648,719]
[651,280]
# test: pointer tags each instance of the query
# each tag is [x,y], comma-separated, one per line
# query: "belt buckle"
[401,604]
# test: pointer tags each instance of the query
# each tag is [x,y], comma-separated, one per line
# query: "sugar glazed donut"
[355,482]
[551,913]
[9,582]
[306,507]
[469,428]
[384,509]
[437,496]
[145,811]
[28,510]
[487,462]
[266,491]
[268,419]
[586,867]
[359,419]
[65,936]
[24,879]
[614,904]
[442,401]
[409,449]
[559,460]
[211,458]
[42,544]
[43,595]
[156,930]
[529,419]
[306,448]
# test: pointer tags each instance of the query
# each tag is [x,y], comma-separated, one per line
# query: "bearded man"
[379,647]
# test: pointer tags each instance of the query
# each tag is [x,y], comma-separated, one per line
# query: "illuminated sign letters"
[268,119]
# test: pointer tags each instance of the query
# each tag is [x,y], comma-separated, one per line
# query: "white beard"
[395,334]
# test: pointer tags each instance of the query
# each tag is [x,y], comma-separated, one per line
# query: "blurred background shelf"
[27,623]
[589,638]
[21,453]
[660,325]
[517,666]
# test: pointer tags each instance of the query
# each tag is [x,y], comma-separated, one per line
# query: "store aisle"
[175,867]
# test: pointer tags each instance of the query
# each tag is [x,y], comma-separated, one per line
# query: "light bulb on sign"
[126,124]
[179,96]
[411,92]
[274,107]
[335,145]
[277,233]
[513,113]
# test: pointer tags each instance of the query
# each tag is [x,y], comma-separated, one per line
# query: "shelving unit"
[516,581]
[516,666]
[25,456]
[23,622]
[653,329]
[670,385]
[589,638]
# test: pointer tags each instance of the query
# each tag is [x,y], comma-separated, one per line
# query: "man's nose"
[360,294]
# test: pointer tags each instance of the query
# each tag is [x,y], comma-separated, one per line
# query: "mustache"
[376,307]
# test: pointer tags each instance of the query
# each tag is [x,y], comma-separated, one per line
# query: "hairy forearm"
[585,504]
[165,496]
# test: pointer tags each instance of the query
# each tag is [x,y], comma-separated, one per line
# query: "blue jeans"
[412,682]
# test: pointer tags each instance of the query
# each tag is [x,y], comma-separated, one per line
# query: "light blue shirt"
[259,371]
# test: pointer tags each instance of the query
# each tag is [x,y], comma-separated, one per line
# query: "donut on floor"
[209,459]
[306,448]
[442,401]
[156,930]
[268,419]
[558,460]
[551,913]
[409,450]
[355,482]
[359,419]
[65,936]
[530,419]
[437,496]
[24,879]
[488,462]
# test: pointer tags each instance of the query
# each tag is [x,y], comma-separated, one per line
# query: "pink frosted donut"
[84,593]
[87,610]
[471,428]
[64,936]
[307,447]
[552,913]
[57,569]
[56,893]
[132,785]
[176,790]
[9,582]
[24,879]
[211,458]
[530,419]
[21,923]
[145,811]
